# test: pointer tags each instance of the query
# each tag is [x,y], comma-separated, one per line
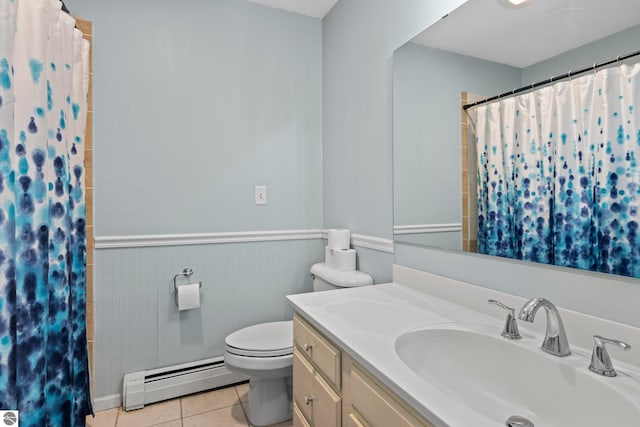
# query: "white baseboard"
[107,402]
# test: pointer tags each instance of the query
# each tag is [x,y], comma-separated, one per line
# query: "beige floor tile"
[288,423]
[232,416]
[103,418]
[209,401]
[150,415]
[243,391]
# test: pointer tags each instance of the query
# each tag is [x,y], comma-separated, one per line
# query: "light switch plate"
[261,195]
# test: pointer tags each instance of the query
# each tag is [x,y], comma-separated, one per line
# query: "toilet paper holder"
[187,272]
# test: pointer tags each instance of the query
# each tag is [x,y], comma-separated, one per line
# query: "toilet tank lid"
[343,279]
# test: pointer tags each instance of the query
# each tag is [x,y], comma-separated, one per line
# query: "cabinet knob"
[308,400]
[308,347]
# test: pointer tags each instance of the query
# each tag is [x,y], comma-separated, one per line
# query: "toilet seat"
[272,339]
[265,367]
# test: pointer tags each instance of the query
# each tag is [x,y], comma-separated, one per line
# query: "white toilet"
[264,353]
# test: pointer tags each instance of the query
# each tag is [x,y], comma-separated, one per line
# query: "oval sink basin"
[498,378]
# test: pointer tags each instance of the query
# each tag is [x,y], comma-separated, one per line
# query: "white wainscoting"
[157,240]
[138,325]
[245,277]
[427,228]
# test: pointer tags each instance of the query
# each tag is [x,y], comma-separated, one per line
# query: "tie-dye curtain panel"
[43,102]
[558,177]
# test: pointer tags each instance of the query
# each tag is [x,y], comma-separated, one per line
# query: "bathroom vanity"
[330,389]
[428,351]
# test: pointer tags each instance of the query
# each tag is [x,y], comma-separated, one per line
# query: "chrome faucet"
[555,341]
[510,329]
[600,360]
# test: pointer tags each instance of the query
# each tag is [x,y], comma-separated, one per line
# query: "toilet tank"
[326,278]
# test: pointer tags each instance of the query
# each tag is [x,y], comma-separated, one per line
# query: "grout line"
[235,387]
[244,411]
[242,405]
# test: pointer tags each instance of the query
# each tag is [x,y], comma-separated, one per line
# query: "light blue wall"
[359,37]
[196,102]
[427,84]
[445,240]
[599,51]
[376,263]
[358,40]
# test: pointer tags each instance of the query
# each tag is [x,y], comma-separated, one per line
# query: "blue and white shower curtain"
[43,105]
[558,175]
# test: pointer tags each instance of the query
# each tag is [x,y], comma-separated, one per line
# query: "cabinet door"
[298,419]
[324,355]
[377,407]
[317,401]
[354,421]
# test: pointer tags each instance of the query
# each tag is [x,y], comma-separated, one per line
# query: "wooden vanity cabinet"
[318,350]
[316,378]
[298,418]
[331,390]
[368,403]
[313,397]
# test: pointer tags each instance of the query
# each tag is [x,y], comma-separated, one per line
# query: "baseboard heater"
[145,387]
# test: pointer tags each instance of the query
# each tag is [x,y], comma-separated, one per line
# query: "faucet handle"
[600,360]
[510,330]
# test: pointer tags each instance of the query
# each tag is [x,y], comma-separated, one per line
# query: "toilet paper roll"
[188,296]
[340,259]
[339,238]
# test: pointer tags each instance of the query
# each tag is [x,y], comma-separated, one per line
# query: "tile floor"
[225,407]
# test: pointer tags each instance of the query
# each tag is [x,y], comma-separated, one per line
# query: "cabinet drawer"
[377,408]
[316,400]
[299,419]
[324,355]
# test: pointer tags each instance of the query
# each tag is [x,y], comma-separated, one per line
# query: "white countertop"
[365,323]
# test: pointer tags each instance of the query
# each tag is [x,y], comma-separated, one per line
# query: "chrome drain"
[518,421]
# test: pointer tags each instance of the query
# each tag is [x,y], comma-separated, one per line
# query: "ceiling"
[531,33]
[313,8]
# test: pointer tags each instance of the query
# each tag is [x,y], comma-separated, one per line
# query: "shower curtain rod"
[553,79]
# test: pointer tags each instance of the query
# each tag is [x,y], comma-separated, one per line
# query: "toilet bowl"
[264,353]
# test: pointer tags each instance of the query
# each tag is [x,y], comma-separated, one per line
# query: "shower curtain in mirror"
[43,103]
[558,175]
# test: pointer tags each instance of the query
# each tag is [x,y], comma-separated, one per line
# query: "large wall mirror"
[483,48]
